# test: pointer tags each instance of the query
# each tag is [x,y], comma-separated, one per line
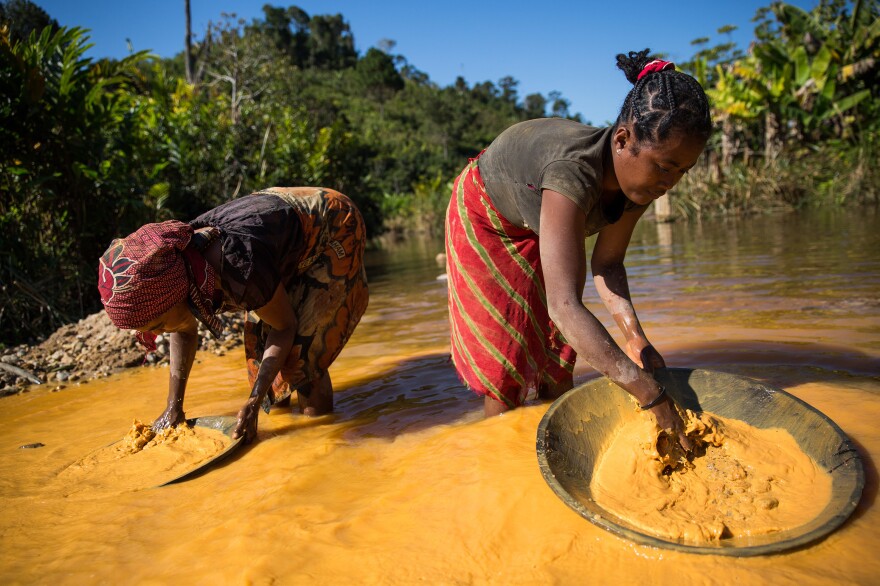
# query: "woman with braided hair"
[515,230]
[292,258]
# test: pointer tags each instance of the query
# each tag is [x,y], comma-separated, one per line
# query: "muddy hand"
[172,417]
[247,422]
[671,423]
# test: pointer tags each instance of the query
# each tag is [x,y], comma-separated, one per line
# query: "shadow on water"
[416,394]
[814,362]
[422,392]
[419,393]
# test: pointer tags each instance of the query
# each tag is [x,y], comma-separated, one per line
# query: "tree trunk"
[663,209]
[188,61]
[727,144]
[772,137]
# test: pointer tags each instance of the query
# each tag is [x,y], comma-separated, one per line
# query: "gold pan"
[222,423]
[580,425]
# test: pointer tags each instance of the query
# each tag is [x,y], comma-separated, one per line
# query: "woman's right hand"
[172,417]
[183,352]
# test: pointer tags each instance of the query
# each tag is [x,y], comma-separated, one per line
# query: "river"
[407,482]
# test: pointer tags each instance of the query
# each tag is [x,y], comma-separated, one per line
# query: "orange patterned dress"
[311,240]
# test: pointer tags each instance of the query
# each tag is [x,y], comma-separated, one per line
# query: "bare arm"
[279,314]
[563,260]
[609,277]
[183,352]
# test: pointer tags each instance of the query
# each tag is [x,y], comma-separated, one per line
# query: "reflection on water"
[406,482]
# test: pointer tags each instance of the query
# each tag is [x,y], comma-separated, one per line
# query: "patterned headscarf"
[145,274]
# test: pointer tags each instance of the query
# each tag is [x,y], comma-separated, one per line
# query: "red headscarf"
[655,66]
[143,275]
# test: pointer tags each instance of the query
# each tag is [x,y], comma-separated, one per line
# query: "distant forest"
[92,149]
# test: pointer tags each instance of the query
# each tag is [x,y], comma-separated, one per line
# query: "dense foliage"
[90,149]
[798,115]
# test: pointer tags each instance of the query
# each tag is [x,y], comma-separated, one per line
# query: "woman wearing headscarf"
[291,258]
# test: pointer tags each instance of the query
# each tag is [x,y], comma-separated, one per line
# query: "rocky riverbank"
[94,348]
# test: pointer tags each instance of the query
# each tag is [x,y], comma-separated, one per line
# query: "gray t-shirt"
[549,153]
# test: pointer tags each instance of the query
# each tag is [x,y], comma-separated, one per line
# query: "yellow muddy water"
[407,483]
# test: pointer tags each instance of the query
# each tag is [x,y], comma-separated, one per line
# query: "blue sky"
[564,45]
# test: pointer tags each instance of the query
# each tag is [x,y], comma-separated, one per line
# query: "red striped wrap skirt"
[503,342]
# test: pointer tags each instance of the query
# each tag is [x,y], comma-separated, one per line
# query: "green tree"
[69,172]
[378,76]
[288,29]
[23,17]
[535,106]
[91,150]
[331,44]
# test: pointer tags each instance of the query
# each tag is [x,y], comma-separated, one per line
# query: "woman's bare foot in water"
[316,398]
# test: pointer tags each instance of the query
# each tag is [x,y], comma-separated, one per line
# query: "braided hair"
[662,102]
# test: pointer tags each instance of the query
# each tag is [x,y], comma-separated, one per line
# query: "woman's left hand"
[247,421]
[278,314]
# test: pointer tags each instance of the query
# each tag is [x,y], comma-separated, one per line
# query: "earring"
[618,151]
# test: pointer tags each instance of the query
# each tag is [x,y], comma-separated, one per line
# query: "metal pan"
[580,424]
[222,423]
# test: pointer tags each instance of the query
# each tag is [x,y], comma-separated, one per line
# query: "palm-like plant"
[62,164]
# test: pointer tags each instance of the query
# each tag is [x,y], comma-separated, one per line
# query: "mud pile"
[94,348]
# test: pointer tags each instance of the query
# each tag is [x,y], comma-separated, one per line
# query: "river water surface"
[408,483]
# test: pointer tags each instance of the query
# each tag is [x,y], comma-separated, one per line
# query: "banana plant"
[835,57]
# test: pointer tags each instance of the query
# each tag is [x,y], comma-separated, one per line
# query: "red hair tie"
[655,66]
